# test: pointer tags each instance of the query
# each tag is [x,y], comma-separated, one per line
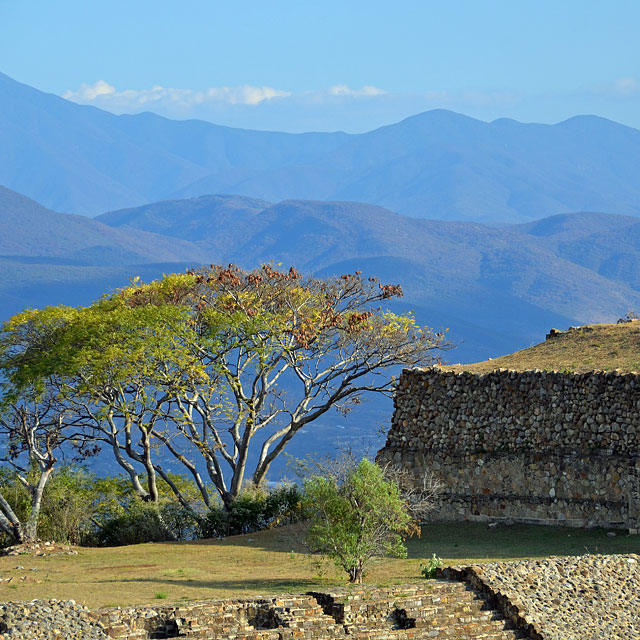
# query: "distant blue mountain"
[54,258]
[498,288]
[437,165]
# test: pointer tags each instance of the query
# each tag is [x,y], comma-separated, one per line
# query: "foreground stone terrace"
[560,598]
[565,598]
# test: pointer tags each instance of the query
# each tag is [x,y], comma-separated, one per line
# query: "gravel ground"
[572,598]
[47,620]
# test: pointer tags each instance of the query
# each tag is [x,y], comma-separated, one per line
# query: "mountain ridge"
[437,164]
[464,269]
[498,287]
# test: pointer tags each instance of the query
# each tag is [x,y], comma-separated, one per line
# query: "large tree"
[278,350]
[223,367]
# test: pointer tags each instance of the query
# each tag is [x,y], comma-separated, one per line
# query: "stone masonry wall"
[533,446]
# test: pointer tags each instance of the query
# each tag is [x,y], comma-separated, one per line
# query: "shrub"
[142,522]
[255,509]
[357,518]
[429,571]
[80,508]
[69,504]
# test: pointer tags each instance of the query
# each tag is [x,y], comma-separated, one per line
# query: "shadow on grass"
[277,585]
[476,540]
[460,540]
[278,540]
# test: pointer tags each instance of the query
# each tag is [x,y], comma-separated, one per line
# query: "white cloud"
[89,92]
[366,92]
[627,86]
[620,89]
[330,108]
[105,95]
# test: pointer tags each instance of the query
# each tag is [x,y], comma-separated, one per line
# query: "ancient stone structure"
[407,612]
[533,446]
[591,597]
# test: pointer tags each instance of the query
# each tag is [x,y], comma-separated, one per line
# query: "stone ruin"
[533,446]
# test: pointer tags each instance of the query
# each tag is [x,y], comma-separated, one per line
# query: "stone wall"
[403,612]
[533,446]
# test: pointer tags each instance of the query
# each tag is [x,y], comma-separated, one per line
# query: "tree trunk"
[227,501]
[9,522]
[355,575]
[28,532]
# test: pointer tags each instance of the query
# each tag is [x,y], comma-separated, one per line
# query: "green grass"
[273,562]
[474,542]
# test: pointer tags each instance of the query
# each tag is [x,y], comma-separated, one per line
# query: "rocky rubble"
[39,549]
[567,598]
[48,620]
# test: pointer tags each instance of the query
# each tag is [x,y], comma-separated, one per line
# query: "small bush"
[429,571]
[254,510]
[357,519]
[71,500]
[145,522]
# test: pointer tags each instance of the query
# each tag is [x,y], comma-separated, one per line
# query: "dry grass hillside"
[580,349]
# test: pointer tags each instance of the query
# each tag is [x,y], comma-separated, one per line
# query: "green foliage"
[143,522]
[111,340]
[357,519]
[81,508]
[72,498]
[122,518]
[192,365]
[429,571]
[255,509]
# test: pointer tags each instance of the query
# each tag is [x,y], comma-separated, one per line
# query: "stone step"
[439,609]
[450,634]
[376,634]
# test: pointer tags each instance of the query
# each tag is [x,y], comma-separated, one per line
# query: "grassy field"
[273,561]
[599,346]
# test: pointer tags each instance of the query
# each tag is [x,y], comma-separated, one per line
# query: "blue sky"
[351,65]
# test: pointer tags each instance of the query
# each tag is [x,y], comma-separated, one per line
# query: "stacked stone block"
[534,446]
[442,608]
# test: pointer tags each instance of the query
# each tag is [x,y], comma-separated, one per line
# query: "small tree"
[360,518]
[32,432]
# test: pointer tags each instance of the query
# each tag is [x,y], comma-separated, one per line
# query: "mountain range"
[437,165]
[497,287]
[493,229]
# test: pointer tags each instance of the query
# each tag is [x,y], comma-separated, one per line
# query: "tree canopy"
[216,369]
